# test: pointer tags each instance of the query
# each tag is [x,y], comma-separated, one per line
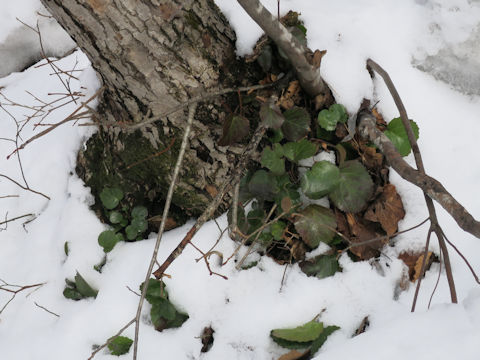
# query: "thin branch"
[23,187]
[92,355]
[166,208]
[422,270]
[44,308]
[15,218]
[308,75]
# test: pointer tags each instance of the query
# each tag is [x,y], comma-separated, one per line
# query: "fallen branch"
[308,75]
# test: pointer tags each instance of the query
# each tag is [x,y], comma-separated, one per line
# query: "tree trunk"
[151,56]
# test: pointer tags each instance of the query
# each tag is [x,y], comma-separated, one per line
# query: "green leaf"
[120,345]
[304,333]
[110,197]
[65,248]
[108,239]
[265,239]
[162,308]
[98,267]
[314,224]
[72,294]
[263,184]
[277,136]
[137,227]
[235,128]
[295,151]
[241,218]
[297,123]
[277,229]
[354,187]
[318,342]
[139,212]
[321,266]
[272,161]
[271,116]
[179,319]
[398,135]
[321,179]
[328,119]
[156,290]
[115,217]
[255,219]
[83,287]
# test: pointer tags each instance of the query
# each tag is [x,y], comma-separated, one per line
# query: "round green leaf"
[314,224]
[72,294]
[320,180]
[115,217]
[297,123]
[354,187]
[110,197]
[263,184]
[137,227]
[272,161]
[140,212]
[271,116]
[107,239]
[305,333]
[328,119]
[120,345]
[321,266]
[303,149]
[398,135]
[235,128]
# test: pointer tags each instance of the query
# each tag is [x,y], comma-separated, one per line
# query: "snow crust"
[243,309]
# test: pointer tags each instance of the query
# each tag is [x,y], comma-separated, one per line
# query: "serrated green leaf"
[271,116]
[314,224]
[277,229]
[115,217]
[110,197]
[398,135]
[140,212]
[320,266]
[354,187]
[263,184]
[235,128]
[83,287]
[272,161]
[296,124]
[72,294]
[328,119]
[320,180]
[304,333]
[318,342]
[107,239]
[303,149]
[120,345]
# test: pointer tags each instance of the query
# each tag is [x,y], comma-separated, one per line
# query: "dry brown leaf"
[414,263]
[381,123]
[371,157]
[387,210]
[291,96]
[295,355]
[363,231]
[363,326]
[212,190]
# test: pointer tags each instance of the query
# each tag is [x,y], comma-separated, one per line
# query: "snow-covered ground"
[440,36]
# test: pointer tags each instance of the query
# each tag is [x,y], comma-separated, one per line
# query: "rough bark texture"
[153,55]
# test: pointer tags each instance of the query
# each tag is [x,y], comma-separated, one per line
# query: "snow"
[243,309]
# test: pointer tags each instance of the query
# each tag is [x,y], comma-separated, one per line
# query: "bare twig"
[166,208]
[18,288]
[15,218]
[24,187]
[44,308]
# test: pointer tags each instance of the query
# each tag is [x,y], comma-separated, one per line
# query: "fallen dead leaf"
[291,96]
[363,231]
[414,263]
[387,210]
[295,355]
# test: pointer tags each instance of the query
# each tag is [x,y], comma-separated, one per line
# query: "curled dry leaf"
[387,210]
[363,231]
[291,96]
[414,263]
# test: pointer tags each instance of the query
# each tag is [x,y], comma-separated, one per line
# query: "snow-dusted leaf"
[271,116]
[316,224]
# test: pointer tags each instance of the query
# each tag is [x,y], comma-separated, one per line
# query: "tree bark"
[151,56]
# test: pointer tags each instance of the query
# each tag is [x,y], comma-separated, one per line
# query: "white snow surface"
[243,309]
